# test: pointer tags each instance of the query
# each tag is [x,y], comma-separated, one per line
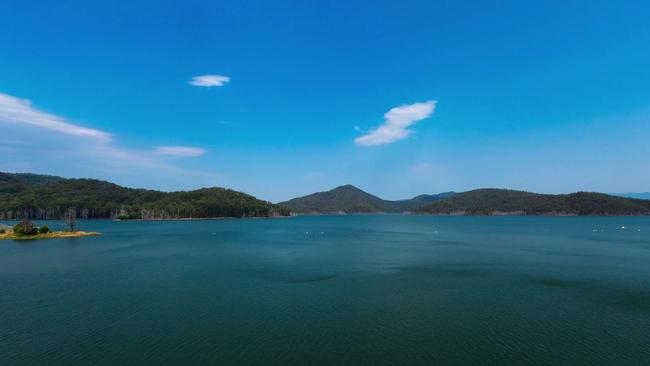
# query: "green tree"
[43,230]
[25,227]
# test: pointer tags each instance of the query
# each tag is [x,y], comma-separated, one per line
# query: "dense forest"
[34,196]
[350,199]
[503,201]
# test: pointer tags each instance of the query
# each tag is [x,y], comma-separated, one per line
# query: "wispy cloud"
[396,123]
[20,111]
[209,80]
[38,141]
[180,151]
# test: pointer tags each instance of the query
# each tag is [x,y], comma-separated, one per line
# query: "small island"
[26,230]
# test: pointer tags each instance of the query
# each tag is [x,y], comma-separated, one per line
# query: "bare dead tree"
[70,218]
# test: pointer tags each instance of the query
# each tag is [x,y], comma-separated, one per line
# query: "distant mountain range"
[47,197]
[503,201]
[350,199]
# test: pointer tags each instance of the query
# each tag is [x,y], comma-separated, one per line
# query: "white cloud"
[209,80]
[396,123]
[37,141]
[20,111]
[180,151]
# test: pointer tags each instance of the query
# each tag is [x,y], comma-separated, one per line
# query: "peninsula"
[10,235]
[26,230]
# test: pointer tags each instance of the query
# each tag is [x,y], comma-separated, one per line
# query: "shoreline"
[198,218]
[51,235]
[456,214]
[462,214]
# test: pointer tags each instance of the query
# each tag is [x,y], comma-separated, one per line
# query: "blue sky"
[398,98]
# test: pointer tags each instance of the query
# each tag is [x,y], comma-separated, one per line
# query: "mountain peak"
[350,199]
[347,187]
[346,198]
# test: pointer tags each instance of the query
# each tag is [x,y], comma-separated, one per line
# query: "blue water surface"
[332,290]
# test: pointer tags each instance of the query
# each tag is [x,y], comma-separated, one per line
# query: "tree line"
[89,198]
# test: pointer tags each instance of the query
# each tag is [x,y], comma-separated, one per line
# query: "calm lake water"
[332,290]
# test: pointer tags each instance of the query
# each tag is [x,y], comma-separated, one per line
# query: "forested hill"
[420,201]
[344,199]
[46,197]
[13,183]
[350,199]
[503,201]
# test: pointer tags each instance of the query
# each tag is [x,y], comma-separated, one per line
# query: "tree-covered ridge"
[36,198]
[503,201]
[14,183]
[419,201]
[350,199]
[37,179]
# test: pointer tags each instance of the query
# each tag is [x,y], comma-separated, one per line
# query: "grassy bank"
[52,235]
